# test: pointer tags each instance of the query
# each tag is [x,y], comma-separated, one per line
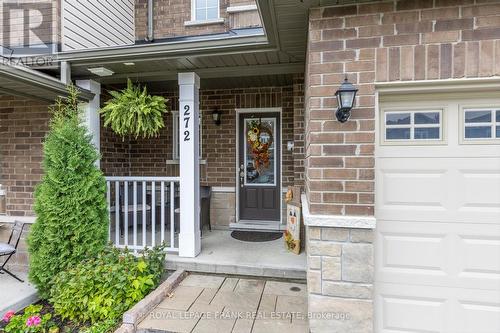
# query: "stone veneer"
[340,272]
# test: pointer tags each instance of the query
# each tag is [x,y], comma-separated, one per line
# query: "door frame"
[239,224]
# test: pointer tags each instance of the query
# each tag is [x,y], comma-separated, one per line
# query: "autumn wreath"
[260,149]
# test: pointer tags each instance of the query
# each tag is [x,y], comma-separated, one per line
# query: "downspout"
[150,34]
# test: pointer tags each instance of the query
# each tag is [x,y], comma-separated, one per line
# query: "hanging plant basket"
[132,111]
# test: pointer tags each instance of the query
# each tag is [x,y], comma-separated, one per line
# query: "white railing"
[143,212]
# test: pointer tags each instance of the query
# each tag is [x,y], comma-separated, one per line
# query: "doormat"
[255,236]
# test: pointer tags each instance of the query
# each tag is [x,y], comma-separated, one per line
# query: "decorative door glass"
[260,164]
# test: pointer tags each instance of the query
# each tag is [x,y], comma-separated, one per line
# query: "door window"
[259,158]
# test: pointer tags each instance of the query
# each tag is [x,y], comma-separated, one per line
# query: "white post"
[189,236]
[91,112]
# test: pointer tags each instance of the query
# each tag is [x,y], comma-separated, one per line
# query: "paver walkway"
[219,304]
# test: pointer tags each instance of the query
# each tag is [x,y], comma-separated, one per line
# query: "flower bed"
[92,296]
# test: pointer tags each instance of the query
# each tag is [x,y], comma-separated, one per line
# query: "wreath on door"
[260,138]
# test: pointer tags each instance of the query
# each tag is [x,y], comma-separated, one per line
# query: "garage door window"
[480,124]
[413,125]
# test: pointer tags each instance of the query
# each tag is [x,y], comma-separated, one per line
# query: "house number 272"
[187,116]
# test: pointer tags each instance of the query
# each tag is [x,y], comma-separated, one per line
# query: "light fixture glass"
[216,116]
[346,95]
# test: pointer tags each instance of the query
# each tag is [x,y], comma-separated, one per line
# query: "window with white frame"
[481,124]
[176,143]
[421,125]
[205,10]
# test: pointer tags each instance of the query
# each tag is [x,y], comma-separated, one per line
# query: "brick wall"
[23,125]
[14,24]
[148,157]
[377,42]
[170,15]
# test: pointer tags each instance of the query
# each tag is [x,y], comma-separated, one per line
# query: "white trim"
[194,20]
[439,86]
[12,219]
[176,162]
[224,189]
[412,126]
[336,221]
[256,225]
[257,110]
[205,22]
[242,8]
[492,124]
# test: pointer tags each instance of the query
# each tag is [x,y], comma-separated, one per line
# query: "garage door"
[438,215]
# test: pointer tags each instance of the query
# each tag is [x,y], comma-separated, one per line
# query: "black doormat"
[255,236]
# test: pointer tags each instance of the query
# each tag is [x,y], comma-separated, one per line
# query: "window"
[413,125]
[205,10]
[176,143]
[480,124]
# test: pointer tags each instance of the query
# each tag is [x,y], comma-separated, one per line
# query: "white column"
[189,236]
[65,72]
[91,111]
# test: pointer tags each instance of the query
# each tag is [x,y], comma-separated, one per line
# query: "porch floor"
[214,303]
[220,253]
[15,295]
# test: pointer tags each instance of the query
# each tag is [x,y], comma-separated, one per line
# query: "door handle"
[242,175]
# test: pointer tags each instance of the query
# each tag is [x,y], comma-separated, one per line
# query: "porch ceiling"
[24,82]
[279,50]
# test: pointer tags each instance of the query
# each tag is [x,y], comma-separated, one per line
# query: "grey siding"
[97,23]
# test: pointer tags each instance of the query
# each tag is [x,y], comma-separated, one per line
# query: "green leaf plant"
[70,202]
[133,112]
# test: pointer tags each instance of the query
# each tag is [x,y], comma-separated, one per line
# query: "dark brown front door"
[260,166]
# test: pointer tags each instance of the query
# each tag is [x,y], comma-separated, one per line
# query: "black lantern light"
[345,98]
[216,115]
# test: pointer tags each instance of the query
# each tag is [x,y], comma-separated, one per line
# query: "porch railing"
[143,212]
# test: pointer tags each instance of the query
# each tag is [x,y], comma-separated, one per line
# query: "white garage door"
[438,215]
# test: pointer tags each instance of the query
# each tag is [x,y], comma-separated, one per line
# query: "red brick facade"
[170,17]
[23,125]
[149,157]
[377,42]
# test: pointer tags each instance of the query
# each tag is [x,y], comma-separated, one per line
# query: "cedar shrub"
[70,202]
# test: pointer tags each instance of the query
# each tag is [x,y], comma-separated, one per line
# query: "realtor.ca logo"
[26,32]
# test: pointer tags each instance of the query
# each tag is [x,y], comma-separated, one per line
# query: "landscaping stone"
[357,263]
[331,268]
[143,307]
[240,305]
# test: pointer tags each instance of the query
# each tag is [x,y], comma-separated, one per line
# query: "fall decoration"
[259,147]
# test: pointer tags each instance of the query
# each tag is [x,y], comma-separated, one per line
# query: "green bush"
[104,288]
[70,202]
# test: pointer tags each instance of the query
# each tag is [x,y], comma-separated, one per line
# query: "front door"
[259,166]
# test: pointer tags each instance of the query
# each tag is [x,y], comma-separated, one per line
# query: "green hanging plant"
[134,112]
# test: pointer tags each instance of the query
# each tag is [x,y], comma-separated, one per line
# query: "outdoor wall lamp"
[216,115]
[345,98]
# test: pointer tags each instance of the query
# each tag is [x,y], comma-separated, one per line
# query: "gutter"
[150,36]
[165,50]
[33,78]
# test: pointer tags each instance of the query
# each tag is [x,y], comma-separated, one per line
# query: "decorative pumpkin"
[134,112]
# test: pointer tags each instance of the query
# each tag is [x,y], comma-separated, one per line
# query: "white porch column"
[189,236]
[91,111]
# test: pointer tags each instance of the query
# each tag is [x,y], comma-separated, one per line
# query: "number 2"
[186,136]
